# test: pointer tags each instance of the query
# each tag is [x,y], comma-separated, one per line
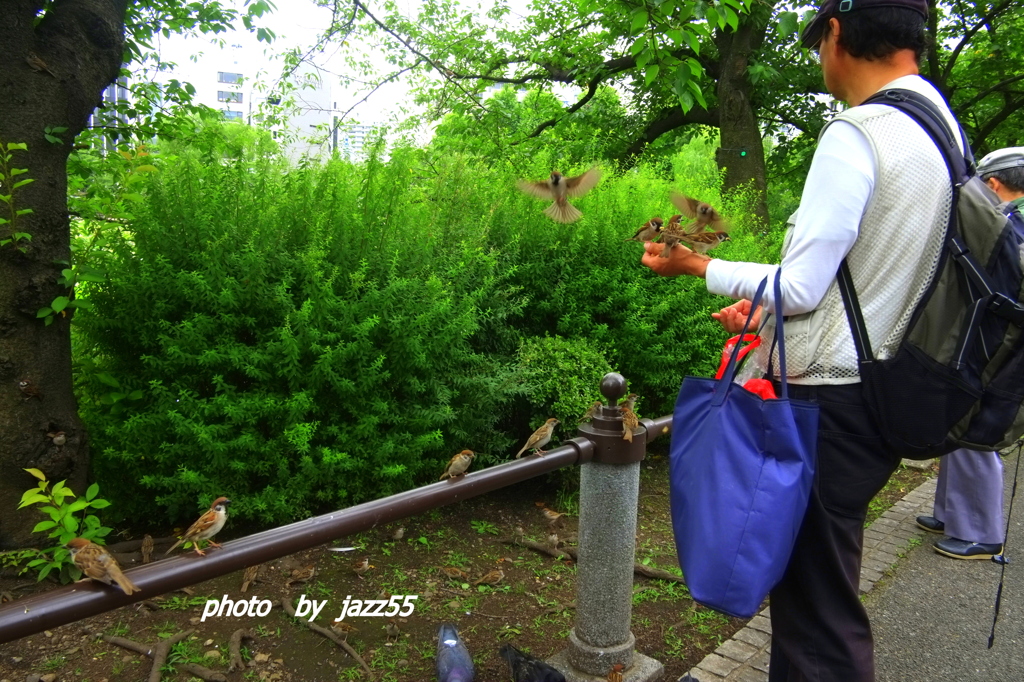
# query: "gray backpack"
[957,378]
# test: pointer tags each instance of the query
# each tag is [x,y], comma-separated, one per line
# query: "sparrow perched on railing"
[526,668]
[557,187]
[458,465]
[454,664]
[592,412]
[491,578]
[95,562]
[540,438]
[648,231]
[206,526]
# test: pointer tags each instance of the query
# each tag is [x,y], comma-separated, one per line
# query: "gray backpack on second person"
[957,379]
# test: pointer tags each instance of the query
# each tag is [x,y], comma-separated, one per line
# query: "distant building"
[349,140]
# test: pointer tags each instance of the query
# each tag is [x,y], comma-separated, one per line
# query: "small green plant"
[51,133]
[63,525]
[53,663]
[178,603]
[8,184]
[483,527]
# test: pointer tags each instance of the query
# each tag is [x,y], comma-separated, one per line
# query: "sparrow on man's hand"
[648,231]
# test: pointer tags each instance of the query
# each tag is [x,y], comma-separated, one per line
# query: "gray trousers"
[969,496]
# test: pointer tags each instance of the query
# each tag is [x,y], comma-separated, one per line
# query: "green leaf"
[44,525]
[43,312]
[789,22]
[100,504]
[711,14]
[93,490]
[731,18]
[70,523]
[651,73]
[11,146]
[37,473]
[32,497]
[639,22]
[77,505]
[146,169]
[59,304]
[107,379]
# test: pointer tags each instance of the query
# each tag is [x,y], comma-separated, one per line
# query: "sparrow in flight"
[558,188]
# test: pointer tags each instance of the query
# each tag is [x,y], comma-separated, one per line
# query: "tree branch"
[985,93]
[669,119]
[980,24]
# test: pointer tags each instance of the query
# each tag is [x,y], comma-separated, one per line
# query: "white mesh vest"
[892,261]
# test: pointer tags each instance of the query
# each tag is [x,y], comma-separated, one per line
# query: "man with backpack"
[877,196]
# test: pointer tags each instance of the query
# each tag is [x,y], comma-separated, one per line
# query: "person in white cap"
[876,177]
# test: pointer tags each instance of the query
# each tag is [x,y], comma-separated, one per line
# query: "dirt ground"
[532,607]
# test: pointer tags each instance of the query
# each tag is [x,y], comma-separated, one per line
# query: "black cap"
[811,35]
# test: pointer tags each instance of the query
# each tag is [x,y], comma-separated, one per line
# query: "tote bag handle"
[725,383]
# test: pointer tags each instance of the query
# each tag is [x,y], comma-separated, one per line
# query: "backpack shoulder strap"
[930,118]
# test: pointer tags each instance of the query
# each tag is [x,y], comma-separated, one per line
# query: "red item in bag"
[752,341]
[761,387]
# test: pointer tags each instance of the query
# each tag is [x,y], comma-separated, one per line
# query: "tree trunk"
[52,74]
[741,155]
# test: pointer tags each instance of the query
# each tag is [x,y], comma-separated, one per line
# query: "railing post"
[609,490]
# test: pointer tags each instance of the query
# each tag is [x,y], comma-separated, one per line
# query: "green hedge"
[308,338]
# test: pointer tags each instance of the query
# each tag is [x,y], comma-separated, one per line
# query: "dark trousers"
[820,629]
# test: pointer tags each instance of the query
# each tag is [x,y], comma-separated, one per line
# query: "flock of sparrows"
[97,563]
[706,229]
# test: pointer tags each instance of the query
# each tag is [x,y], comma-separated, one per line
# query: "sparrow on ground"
[95,562]
[702,214]
[362,566]
[553,540]
[393,630]
[557,187]
[526,668]
[301,575]
[616,673]
[552,516]
[208,525]
[454,664]
[343,630]
[592,412]
[458,465]
[249,576]
[492,578]
[454,573]
[649,231]
[398,533]
[540,438]
[29,390]
[147,548]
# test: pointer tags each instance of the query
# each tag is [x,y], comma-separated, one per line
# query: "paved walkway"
[930,614]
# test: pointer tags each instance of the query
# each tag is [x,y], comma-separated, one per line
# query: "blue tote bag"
[740,469]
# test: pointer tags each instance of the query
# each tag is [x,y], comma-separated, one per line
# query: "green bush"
[305,338]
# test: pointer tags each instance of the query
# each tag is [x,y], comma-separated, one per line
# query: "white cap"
[1001,159]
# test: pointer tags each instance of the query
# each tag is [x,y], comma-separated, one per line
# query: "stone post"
[609,489]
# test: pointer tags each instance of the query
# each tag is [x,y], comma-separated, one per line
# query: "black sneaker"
[961,549]
[931,524]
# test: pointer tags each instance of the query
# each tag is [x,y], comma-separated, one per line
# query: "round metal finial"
[613,387]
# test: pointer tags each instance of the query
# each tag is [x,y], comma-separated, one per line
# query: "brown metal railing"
[84,599]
